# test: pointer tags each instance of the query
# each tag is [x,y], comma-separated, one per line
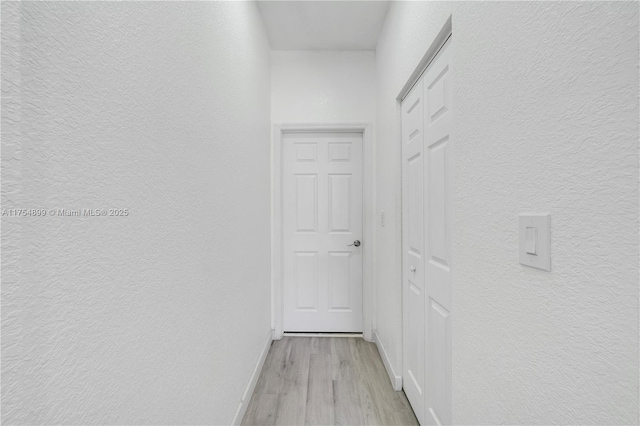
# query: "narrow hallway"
[326,381]
[186,186]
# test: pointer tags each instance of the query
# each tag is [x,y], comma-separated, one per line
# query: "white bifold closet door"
[426,197]
[413,248]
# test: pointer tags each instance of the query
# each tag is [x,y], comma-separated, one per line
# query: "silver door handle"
[355,243]
[412,269]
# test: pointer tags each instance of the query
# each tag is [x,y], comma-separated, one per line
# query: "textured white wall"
[546,120]
[323,87]
[161,108]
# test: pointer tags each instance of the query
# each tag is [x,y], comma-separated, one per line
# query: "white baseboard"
[396,380]
[246,397]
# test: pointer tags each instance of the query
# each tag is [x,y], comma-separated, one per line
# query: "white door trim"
[438,42]
[368,211]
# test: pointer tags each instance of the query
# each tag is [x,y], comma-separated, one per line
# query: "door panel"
[439,334]
[341,268]
[322,206]
[306,280]
[413,243]
[437,192]
[339,206]
[438,202]
[306,203]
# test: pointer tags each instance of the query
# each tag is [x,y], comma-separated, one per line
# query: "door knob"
[412,269]
[355,243]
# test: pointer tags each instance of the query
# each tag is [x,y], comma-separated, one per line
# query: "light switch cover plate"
[542,224]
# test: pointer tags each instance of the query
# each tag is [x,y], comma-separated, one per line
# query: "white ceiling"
[323,25]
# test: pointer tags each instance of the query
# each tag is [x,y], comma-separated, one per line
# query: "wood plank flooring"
[326,381]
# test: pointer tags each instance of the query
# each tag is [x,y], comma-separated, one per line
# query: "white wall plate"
[535,240]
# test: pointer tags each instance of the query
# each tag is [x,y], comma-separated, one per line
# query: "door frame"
[277,218]
[438,42]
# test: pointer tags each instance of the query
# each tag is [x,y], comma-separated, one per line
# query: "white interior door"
[322,212]
[427,227]
[413,247]
[438,205]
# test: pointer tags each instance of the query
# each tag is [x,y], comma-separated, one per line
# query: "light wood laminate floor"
[326,381]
